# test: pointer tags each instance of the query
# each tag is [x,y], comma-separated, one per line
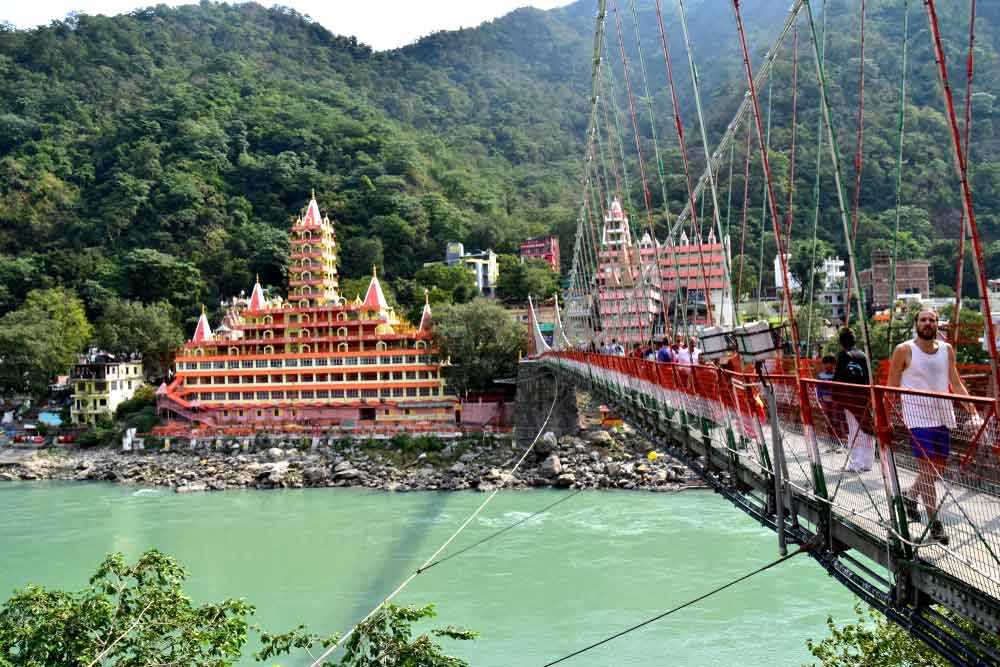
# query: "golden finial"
[257,278]
[374,271]
[202,309]
[313,191]
[427,297]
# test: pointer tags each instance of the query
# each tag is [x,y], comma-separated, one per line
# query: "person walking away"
[925,363]
[852,369]
[824,395]
[664,355]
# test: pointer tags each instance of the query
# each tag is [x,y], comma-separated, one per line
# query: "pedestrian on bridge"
[853,369]
[926,363]
[665,355]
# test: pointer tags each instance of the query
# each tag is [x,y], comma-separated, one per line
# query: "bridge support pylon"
[537,388]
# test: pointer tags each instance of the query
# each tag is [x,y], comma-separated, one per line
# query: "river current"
[596,564]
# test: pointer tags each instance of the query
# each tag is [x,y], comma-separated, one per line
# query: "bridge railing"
[860,451]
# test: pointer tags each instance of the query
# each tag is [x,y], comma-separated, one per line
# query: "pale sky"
[382,24]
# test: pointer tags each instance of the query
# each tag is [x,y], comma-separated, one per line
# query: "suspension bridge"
[761,428]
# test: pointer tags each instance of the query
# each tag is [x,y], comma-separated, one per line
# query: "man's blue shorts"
[930,443]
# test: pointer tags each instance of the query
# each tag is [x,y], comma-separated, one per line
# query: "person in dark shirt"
[665,355]
[852,369]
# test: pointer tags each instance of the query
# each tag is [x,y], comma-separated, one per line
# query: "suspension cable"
[743,225]
[901,124]
[679,128]
[791,159]
[679,607]
[963,175]
[815,199]
[959,276]
[766,142]
[695,83]
[859,144]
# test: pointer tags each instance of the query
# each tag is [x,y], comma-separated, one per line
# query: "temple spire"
[257,301]
[203,330]
[425,316]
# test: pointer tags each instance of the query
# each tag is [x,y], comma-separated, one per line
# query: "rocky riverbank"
[593,459]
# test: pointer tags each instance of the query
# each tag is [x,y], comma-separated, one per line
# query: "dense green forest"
[159,156]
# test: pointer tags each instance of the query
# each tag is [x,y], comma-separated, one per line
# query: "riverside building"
[314,359]
[100,383]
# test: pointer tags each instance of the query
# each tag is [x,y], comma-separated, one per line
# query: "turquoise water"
[596,564]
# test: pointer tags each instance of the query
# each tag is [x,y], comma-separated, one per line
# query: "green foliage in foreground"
[873,641]
[138,615]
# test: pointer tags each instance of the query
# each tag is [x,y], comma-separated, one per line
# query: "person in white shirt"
[925,363]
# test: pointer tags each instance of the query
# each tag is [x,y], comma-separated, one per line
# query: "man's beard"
[925,335]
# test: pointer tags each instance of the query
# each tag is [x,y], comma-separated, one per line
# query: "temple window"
[268,349]
[342,348]
[342,331]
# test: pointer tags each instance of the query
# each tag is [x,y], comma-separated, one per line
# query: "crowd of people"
[924,363]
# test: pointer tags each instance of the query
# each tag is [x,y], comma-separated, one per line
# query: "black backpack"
[852,367]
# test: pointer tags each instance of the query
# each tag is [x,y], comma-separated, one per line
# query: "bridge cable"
[791,159]
[859,146]
[712,173]
[738,290]
[658,269]
[816,191]
[899,181]
[638,293]
[764,203]
[679,128]
[406,582]
[501,531]
[802,549]
[963,174]
[968,128]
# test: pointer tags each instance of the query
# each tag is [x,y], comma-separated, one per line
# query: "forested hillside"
[158,156]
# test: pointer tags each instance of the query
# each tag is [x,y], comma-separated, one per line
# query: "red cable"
[642,175]
[791,161]
[857,167]
[743,230]
[959,276]
[963,176]
[684,158]
[775,220]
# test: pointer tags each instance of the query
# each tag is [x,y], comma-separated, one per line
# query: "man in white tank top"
[927,364]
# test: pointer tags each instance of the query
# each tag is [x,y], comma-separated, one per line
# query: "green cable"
[763,212]
[815,201]
[899,172]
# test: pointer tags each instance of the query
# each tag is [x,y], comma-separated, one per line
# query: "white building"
[100,383]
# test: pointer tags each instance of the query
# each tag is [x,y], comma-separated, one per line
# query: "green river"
[596,564]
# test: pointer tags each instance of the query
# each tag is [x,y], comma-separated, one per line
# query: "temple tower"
[312,272]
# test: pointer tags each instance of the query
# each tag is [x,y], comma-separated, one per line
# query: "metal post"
[777,466]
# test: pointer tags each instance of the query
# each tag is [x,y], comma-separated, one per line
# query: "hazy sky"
[382,24]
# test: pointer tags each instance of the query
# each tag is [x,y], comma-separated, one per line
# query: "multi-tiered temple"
[314,359]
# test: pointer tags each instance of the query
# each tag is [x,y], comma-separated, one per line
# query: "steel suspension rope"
[838,179]
[859,145]
[969,67]
[682,144]
[900,130]
[743,226]
[805,404]
[791,160]
[893,490]
[658,269]
[663,184]
[729,136]
[766,143]
[815,198]
[620,140]
[693,601]
[406,582]
[963,175]
[726,275]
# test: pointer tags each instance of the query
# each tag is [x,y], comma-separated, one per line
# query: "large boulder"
[600,439]
[546,444]
[275,453]
[550,467]
[566,480]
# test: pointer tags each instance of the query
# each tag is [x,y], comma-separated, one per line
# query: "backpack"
[854,370]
